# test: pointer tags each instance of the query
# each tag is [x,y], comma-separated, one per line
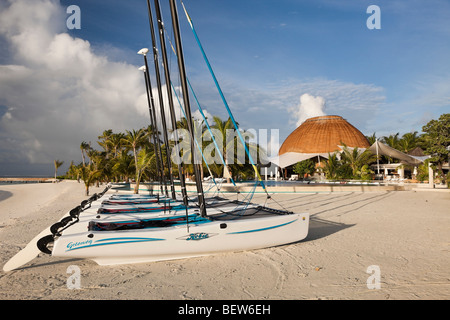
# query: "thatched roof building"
[319,136]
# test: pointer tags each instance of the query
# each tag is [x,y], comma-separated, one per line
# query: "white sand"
[404,233]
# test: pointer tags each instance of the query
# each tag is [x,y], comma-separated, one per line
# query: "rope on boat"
[203,115]
[225,103]
[223,99]
[68,221]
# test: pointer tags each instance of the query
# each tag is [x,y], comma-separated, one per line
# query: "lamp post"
[378,157]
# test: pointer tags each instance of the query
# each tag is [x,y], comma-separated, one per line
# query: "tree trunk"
[136,187]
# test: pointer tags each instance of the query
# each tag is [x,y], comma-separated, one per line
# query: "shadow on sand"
[32,266]
[320,228]
[5,195]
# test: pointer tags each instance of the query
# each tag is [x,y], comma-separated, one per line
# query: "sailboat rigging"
[151,108]
[224,100]
[200,109]
[185,91]
[161,102]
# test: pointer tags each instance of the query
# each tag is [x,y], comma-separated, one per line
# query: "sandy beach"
[402,234]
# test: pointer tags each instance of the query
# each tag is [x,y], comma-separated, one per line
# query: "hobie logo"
[75,245]
[197,236]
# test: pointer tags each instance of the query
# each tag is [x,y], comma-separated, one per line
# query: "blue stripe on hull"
[130,240]
[263,229]
[138,239]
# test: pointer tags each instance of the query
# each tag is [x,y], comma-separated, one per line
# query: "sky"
[277,62]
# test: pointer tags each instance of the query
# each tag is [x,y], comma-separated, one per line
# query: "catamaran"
[132,238]
[121,228]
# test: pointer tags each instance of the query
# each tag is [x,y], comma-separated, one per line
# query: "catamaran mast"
[161,103]
[151,109]
[169,94]
[255,168]
[205,121]
[182,71]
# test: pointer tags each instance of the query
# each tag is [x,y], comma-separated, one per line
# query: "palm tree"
[100,163]
[73,172]
[84,147]
[149,131]
[365,173]
[57,165]
[392,141]
[331,166]
[233,150]
[372,138]
[199,144]
[105,141]
[408,141]
[437,136]
[133,140]
[123,166]
[357,159]
[242,160]
[144,160]
[226,144]
[114,143]
[88,174]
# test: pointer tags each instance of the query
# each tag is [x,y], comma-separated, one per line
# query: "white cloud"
[58,92]
[358,103]
[309,107]
[278,107]
[198,116]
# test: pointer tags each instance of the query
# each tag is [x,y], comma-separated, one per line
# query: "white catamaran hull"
[176,242]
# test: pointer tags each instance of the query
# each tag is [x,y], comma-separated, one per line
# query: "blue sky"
[60,87]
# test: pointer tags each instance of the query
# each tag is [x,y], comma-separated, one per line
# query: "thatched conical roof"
[417,151]
[323,134]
